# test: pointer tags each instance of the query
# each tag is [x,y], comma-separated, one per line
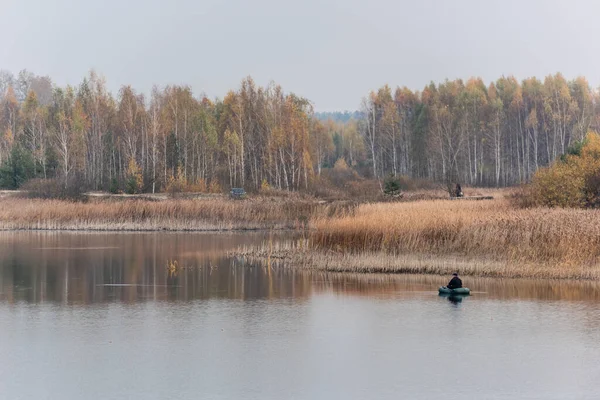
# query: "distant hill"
[338,116]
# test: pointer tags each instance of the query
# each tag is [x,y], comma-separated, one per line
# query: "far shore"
[185,213]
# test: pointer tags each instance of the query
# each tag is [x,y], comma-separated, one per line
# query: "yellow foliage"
[177,183]
[134,177]
[560,185]
[572,181]
[264,185]
[180,184]
[172,267]
[215,187]
[198,187]
[172,185]
[340,165]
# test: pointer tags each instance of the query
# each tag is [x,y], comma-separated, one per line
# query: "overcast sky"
[331,51]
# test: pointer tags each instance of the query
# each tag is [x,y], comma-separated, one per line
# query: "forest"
[476,133]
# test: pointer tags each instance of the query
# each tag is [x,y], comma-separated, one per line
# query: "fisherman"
[459,192]
[455,282]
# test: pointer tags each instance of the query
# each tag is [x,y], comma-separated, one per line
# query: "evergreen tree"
[17,169]
[392,186]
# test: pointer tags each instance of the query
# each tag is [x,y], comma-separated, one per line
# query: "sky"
[333,52]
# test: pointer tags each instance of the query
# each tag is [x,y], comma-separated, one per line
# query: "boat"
[463,291]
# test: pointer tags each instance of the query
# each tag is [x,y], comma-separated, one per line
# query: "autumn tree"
[487,134]
[69,126]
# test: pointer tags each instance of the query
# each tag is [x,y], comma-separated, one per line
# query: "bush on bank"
[571,181]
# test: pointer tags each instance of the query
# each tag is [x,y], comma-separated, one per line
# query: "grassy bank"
[481,238]
[175,215]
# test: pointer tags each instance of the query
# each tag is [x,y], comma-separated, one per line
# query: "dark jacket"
[455,283]
[459,192]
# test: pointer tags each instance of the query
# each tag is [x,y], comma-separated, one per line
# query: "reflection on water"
[453,298]
[482,288]
[89,268]
[165,315]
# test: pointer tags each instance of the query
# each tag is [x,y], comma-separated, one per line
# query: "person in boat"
[458,192]
[455,282]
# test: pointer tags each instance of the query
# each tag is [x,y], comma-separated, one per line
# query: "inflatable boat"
[445,290]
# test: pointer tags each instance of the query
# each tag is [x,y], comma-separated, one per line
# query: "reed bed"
[174,215]
[477,238]
[302,257]
[492,230]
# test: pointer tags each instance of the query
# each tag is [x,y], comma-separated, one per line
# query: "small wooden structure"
[237,193]
[473,198]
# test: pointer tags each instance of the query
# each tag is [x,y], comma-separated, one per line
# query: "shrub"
[174,186]
[199,186]
[114,186]
[560,185]
[365,190]
[264,186]
[341,174]
[179,184]
[215,187]
[55,189]
[571,181]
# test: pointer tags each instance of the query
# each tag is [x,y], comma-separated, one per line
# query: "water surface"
[102,316]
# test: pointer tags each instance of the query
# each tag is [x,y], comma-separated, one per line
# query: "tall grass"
[297,254]
[491,230]
[145,215]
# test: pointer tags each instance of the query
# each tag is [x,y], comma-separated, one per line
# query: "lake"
[106,316]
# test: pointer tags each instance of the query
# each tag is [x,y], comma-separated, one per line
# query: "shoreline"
[154,230]
[433,237]
[182,215]
[415,264]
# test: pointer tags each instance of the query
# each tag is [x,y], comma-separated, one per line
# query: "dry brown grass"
[379,262]
[145,215]
[493,230]
[478,238]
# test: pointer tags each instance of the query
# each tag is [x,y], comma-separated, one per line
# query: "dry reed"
[481,238]
[494,230]
[380,262]
[144,215]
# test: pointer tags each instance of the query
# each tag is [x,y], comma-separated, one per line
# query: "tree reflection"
[90,268]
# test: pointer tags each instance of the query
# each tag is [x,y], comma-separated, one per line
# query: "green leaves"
[17,169]
[392,186]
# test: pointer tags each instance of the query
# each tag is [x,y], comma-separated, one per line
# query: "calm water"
[99,316]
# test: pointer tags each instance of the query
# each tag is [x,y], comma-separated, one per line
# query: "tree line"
[487,135]
[255,137]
